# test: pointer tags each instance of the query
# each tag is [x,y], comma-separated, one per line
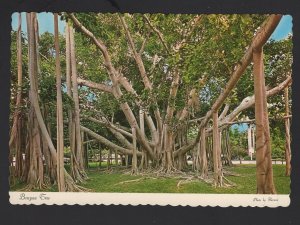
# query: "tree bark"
[203,155]
[79,170]
[35,120]
[59,113]
[168,131]
[15,142]
[264,172]
[217,152]
[101,87]
[287,134]
[134,169]
[34,144]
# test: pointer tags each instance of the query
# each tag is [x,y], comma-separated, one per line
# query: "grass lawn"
[245,183]
[102,181]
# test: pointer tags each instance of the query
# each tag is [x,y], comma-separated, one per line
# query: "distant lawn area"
[117,181]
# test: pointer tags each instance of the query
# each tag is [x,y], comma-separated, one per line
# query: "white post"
[253,138]
[250,141]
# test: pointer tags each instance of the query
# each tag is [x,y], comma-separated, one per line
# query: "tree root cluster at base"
[71,186]
[183,177]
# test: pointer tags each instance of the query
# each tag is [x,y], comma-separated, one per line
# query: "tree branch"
[108,143]
[224,112]
[159,34]
[108,124]
[193,23]
[253,120]
[137,56]
[245,104]
[116,89]
[141,67]
[250,100]
[91,84]
[121,138]
[100,44]
[259,39]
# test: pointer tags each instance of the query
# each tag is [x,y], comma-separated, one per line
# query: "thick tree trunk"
[35,177]
[33,86]
[264,172]
[196,157]
[50,167]
[134,169]
[217,152]
[168,131]
[203,155]
[59,113]
[15,142]
[78,165]
[35,162]
[142,127]
[71,123]
[227,153]
[168,142]
[287,134]
[76,101]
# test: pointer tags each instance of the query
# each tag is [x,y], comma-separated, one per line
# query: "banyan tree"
[153,89]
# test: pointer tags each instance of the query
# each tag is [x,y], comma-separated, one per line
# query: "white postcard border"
[162,199]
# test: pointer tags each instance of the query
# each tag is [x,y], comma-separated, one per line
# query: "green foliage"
[238,143]
[47,89]
[209,52]
[278,143]
[67,152]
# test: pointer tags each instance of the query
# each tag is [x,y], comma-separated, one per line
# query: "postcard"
[150,109]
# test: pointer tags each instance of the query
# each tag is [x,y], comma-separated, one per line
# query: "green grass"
[100,181]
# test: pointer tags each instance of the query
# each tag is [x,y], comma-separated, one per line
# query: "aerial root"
[227,173]
[193,178]
[71,186]
[206,180]
[37,186]
[229,182]
[184,182]
[135,180]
